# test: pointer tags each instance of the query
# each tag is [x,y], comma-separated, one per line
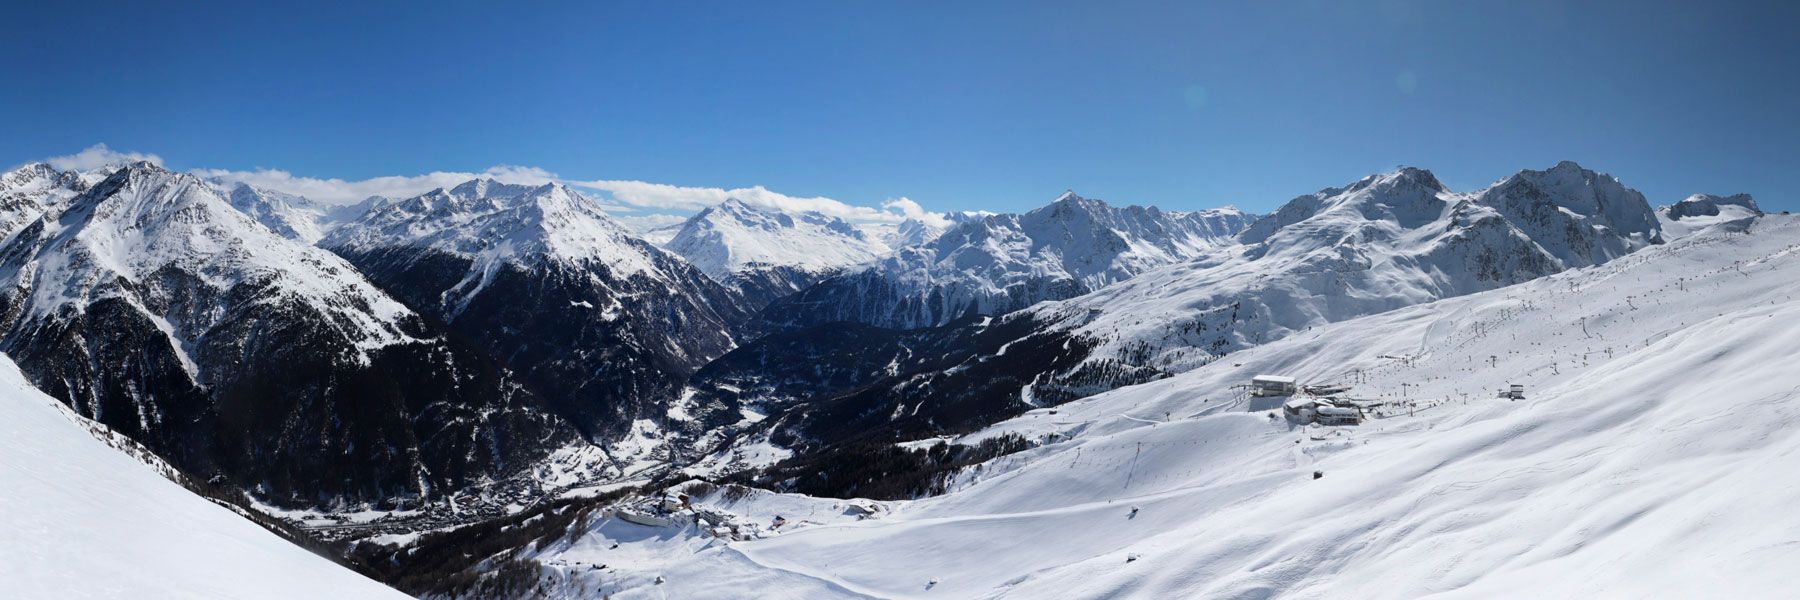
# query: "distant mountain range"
[467,351]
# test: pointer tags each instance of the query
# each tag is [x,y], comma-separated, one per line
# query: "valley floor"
[1654,455]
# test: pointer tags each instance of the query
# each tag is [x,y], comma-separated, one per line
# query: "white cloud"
[97,156]
[912,210]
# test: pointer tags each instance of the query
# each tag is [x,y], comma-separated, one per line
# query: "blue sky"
[996,106]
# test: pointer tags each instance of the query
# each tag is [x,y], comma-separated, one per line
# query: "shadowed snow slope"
[1653,458]
[84,520]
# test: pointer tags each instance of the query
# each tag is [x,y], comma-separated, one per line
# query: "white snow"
[734,235]
[497,224]
[84,520]
[123,243]
[1652,457]
[996,263]
[1384,242]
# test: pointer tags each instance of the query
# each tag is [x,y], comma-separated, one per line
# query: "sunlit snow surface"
[84,520]
[1654,456]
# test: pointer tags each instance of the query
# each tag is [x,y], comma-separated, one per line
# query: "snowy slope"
[83,520]
[1001,263]
[31,189]
[766,253]
[601,323]
[733,236]
[1703,211]
[1651,458]
[294,217]
[494,223]
[146,224]
[1381,243]
[152,305]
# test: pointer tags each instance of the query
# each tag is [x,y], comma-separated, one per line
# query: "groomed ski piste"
[86,520]
[1653,455]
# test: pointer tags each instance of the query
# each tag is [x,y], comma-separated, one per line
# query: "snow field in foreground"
[83,520]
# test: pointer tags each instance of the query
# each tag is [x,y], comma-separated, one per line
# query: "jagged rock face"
[1581,217]
[1002,263]
[153,306]
[602,324]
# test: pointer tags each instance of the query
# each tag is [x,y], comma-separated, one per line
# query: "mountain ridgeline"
[493,342]
[601,324]
[1378,244]
[148,303]
[1002,263]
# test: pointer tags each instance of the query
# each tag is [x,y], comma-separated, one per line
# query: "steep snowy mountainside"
[766,253]
[1610,479]
[294,217]
[145,223]
[150,304]
[85,520]
[497,222]
[600,322]
[1381,243]
[734,235]
[1001,263]
[1577,215]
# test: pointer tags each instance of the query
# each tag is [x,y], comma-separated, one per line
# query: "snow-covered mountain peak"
[991,264]
[1405,199]
[1708,205]
[485,187]
[159,239]
[486,218]
[1580,216]
[735,235]
[33,190]
[1701,212]
[294,217]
